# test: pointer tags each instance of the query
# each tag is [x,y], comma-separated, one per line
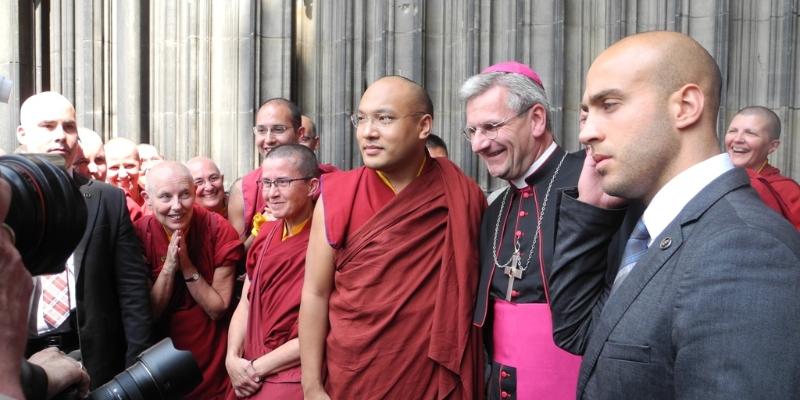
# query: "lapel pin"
[665,243]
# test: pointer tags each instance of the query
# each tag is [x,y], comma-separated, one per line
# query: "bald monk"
[263,349]
[123,172]
[309,138]
[149,156]
[436,146]
[209,184]
[704,304]
[392,263]
[92,146]
[192,253]
[278,121]
[754,134]
[81,163]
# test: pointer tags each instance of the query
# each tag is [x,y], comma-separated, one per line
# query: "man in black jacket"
[106,290]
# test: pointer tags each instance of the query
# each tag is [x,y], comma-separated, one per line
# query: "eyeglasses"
[281,183]
[490,130]
[304,138]
[275,130]
[382,119]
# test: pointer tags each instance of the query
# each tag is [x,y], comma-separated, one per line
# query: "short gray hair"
[304,158]
[523,92]
[772,119]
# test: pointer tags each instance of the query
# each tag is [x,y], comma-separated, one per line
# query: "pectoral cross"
[513,272]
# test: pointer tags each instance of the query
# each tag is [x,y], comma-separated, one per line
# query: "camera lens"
[162,372]
[47,211]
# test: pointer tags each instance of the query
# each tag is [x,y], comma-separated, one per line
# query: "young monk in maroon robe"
[263,349]
[192,253]
[278,122]
[123,172]
[392,264]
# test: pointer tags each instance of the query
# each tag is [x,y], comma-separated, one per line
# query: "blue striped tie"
[635,248]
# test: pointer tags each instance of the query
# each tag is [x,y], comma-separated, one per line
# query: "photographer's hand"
[15,291]
[62,371]
[161,292]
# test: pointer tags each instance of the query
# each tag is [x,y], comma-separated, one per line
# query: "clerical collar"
[388,183]
[287,233]
[520,182]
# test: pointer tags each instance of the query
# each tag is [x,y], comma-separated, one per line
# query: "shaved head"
[411,93]
[672,60]
[31,109]
[771,120]
[394,119]
[202,162]
[170,195]
[168,171]
[124,166]
[91,142]
[209,183]
[119,147]
[301,156]
[650,107]
[47,125]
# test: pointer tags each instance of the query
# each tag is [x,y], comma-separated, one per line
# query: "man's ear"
[300,132]
[313,186]
[426,123]
[538,120]
[687,105]
[21,134]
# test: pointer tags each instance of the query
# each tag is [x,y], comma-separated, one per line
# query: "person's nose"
[92,168]
[272,191]
[589,133]
[175,203]
[369,128]
[58,133]
[479,143]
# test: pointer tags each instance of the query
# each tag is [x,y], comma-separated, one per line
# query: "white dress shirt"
[673,197]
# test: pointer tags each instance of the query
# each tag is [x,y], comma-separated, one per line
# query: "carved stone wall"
[188,75]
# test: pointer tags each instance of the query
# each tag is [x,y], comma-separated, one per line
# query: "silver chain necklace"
[511,266]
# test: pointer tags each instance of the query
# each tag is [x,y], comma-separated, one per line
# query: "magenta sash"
[523,339]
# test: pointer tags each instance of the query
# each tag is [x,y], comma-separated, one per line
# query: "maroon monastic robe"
[780,193]
[406,273]
[135,210]
[212,242]
[275,268]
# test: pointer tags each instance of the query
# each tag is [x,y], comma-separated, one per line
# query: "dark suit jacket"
[112,287]
[710,311]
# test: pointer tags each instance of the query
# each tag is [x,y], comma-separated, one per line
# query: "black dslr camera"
[47,211]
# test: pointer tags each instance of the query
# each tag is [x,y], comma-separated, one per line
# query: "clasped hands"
[178,256]
[244,378]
